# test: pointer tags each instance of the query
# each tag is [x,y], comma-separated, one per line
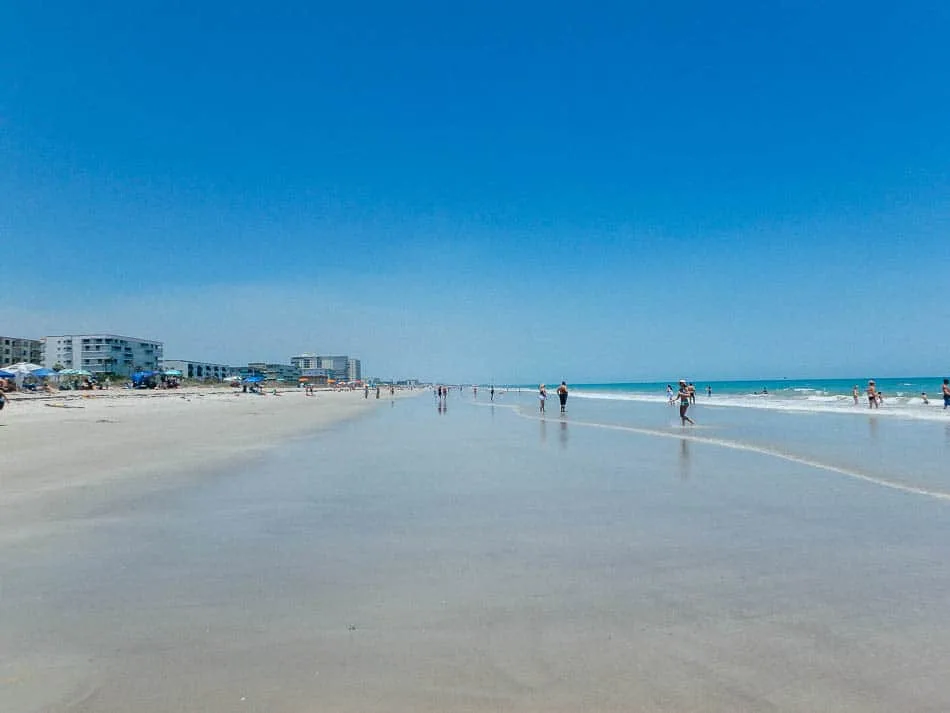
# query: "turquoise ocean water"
[902,396]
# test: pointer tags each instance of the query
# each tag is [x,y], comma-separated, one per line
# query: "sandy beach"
[480,558]
[60,451]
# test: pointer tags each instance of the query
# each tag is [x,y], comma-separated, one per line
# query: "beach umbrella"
[231,378]
[6,374]
[22,368]
[253,379]
[172,372]
[42,372]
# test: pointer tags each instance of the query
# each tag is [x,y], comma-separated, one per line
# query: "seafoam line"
[761,450]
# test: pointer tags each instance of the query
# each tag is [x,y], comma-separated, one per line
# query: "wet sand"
[481,559]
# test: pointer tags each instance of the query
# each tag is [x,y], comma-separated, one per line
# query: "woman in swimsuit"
[683,396]
[872,395]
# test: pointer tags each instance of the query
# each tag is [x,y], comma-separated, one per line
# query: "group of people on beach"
[876,398]
[561,395]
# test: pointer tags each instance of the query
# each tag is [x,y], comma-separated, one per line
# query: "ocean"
[902,396]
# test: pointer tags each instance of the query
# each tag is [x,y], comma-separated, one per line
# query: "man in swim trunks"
[562,395]
[683,396]
[946,393]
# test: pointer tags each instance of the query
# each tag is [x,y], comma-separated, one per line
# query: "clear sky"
[467,191]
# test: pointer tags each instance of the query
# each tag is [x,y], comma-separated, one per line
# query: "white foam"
[897,406]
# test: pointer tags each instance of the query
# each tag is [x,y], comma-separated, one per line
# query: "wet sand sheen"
[475,560]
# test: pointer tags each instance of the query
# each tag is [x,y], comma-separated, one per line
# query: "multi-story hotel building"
[338,368]
[16,349]
[271,372]
[197,369]
[102,353]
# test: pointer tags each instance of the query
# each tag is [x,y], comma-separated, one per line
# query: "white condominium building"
[339,368]
[102,353]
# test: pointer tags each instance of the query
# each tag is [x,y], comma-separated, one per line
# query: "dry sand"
[59,449]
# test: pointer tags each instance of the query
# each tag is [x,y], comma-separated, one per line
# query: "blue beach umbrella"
[7,374]
[253,379]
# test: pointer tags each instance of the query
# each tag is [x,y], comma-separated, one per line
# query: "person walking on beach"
[854,394]
[562,396]
[542,396]
[683,396]
[872,394]
[491,394]
[669,395]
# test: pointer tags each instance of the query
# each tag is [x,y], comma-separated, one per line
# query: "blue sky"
[515,191]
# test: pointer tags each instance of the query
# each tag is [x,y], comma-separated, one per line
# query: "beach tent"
[21,370]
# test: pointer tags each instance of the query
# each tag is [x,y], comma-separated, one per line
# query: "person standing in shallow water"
[946,393]
[562,396]
[683,396]
[542,396]
[872,395]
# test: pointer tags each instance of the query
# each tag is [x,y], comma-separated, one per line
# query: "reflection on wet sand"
[684,460]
